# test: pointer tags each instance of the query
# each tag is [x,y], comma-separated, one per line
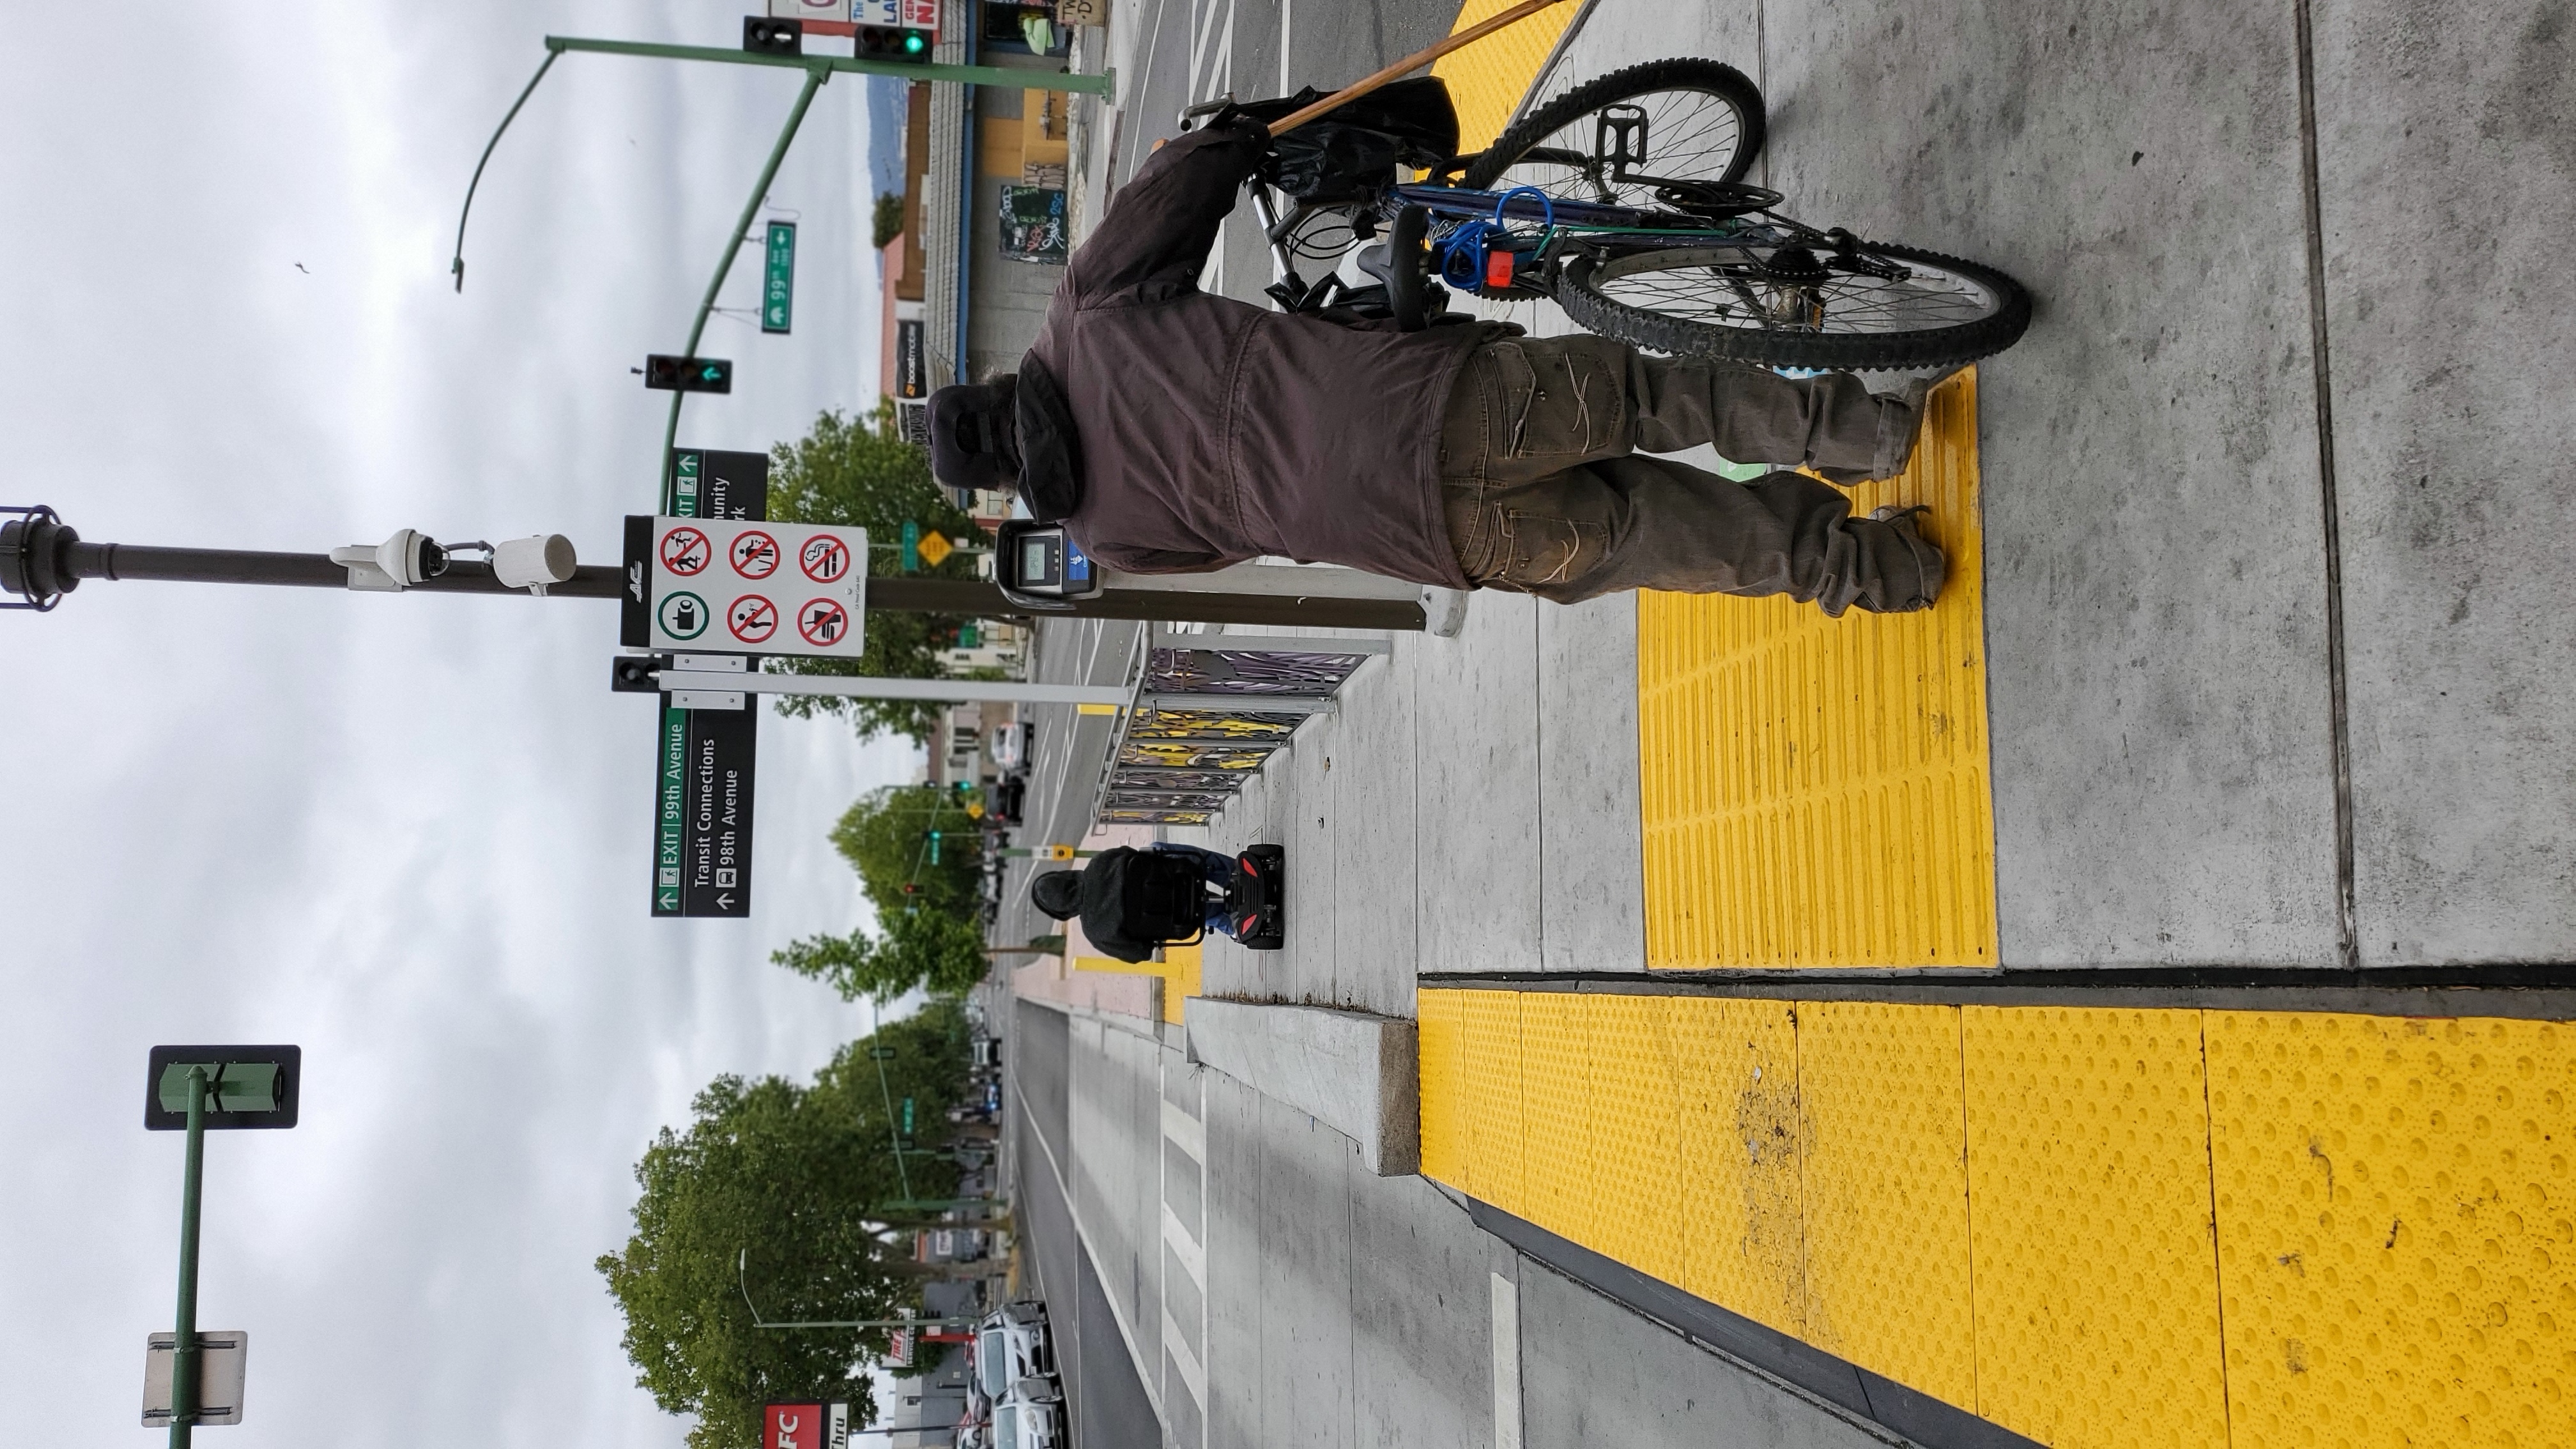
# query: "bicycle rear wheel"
[1780,306]
[1684,120]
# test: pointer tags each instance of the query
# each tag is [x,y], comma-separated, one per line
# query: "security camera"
[410,556]
[533,563]
[393,565]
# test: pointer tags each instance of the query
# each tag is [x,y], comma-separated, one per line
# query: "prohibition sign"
[752,618]
[824,558]
[822,622]
[755,554]
[684,551]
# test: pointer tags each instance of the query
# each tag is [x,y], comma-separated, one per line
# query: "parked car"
[1013,1344]
[988,1051]
[1032,1417]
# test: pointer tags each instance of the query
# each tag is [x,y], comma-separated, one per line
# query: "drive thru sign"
[743,586]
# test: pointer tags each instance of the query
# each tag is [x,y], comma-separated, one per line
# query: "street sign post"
[745,587]
[198,1089]
[778,280]
[713,524]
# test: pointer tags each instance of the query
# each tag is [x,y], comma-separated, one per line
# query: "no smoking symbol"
[823,622]
[824,559]
[752,618]
[755,554]
[684,551]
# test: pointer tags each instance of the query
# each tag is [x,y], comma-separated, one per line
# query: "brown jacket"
[1211,431]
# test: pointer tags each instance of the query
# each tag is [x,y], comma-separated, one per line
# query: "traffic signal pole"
[814,78]
[1104,85]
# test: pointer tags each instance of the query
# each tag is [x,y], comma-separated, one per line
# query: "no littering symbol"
[755,554]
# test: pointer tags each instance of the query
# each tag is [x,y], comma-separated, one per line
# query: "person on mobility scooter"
[1168,894]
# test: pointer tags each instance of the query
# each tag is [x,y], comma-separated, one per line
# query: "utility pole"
[42,558]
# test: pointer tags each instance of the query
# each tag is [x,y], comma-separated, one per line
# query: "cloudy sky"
[408,833]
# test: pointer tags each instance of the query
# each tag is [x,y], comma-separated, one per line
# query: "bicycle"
[1624,201]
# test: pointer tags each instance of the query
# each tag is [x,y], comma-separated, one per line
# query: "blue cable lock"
[1465,251]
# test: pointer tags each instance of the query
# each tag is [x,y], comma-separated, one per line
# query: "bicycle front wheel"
[1784,307]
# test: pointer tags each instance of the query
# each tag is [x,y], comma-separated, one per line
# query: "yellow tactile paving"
[1815,790]
[2397,1229]
[1634,1132]
[2012,1208]
[1888,1281]
[1558,1114]
[1179,970]
[2096,1273]
[1496,1144]
[1440,1046]
[1486,79]
[1741,1211]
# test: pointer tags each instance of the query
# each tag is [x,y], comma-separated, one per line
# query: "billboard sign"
[911,362]
[805,1426]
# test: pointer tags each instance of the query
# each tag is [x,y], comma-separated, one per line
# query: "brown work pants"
[1544,493]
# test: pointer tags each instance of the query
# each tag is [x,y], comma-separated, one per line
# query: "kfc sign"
[805,1426]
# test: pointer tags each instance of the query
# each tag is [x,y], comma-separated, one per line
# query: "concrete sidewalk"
[2272,687]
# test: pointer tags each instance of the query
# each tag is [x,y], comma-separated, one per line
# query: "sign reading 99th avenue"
[746,587]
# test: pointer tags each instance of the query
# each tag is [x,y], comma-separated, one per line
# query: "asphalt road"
[1106,1398]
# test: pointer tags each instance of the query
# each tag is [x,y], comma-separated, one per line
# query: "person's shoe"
[1916,392]
[1929,568]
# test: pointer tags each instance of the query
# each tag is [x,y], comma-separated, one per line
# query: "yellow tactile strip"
[1815,790]
[2099,1228]
[1179,970]
[1486,79]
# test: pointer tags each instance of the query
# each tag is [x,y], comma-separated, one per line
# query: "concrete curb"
[1354,1072]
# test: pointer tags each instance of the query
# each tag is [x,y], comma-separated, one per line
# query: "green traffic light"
[912,42]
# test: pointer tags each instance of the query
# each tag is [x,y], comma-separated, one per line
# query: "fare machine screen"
[1043,560]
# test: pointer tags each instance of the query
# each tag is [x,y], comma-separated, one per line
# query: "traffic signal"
[886,42]
[688,374]
[764,36]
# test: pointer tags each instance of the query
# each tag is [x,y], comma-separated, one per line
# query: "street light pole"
[184,1355]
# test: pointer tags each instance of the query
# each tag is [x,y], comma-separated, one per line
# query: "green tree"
[889,219]
[941,954]
[885,837]
[799,1183]
[857,472]
[929,908]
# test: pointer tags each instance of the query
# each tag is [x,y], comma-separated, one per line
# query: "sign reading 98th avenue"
[743,586]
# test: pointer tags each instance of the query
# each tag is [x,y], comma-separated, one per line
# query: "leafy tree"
[930,911]
[939,953]
[885,838]
[889,219]
[857,472]
[802,1180]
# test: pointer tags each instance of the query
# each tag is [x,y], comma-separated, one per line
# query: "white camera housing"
[533,563]
[393,565]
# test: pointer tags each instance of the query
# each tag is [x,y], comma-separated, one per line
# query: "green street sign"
[778,285]
[881,1054]
[911,546]
[246,1086]
[907,1116]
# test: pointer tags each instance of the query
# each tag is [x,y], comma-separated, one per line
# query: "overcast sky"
[409,833]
